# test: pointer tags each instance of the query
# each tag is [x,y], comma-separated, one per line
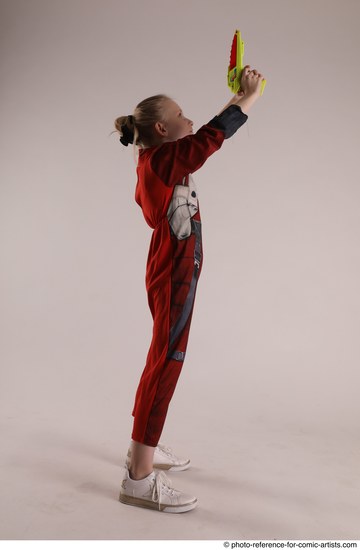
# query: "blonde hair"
[139,129]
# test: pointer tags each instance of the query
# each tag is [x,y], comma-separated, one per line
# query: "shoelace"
[161,479]
[167,450]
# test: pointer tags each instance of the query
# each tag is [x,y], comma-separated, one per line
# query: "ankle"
[137,475]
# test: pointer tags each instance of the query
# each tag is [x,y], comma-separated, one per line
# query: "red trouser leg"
[172,307]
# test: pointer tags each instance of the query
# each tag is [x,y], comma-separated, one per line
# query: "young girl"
[169,152]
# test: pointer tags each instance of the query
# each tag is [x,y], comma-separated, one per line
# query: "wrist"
[247,101]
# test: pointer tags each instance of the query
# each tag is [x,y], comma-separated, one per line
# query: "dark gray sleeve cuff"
[229,120]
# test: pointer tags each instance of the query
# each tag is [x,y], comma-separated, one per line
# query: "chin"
[189,133]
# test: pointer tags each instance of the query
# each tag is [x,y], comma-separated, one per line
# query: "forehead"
[173,106]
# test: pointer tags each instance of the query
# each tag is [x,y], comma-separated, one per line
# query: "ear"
[160,128]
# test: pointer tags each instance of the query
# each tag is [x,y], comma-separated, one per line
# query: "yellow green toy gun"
[236,64]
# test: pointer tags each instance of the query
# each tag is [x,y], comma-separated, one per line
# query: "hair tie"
[127,136]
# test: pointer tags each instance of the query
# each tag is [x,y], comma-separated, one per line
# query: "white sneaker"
[164,459]
[155,491]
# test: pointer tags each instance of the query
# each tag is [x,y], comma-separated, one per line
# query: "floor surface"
[61,480]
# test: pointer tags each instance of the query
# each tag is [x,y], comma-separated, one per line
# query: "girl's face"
[177,126]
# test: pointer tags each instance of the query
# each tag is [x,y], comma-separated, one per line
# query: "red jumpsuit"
[167,194]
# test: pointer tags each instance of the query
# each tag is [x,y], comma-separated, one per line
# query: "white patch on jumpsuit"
[183,206]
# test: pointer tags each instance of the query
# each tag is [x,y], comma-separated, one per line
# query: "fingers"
[254,72]
[247,71]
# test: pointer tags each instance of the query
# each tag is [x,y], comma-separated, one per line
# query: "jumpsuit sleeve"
[175,159]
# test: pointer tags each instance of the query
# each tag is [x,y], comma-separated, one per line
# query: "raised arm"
[175,159]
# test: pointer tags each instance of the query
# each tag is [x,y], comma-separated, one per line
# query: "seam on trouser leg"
[180,323]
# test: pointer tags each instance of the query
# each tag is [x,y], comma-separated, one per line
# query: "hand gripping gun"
[236,65]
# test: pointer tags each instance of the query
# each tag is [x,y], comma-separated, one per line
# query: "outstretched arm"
[175,159]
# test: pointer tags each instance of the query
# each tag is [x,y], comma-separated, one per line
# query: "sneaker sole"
[172,508]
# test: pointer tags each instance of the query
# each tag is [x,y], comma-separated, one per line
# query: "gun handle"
[263,84]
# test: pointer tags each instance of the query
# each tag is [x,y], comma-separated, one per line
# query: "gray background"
[267,404]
